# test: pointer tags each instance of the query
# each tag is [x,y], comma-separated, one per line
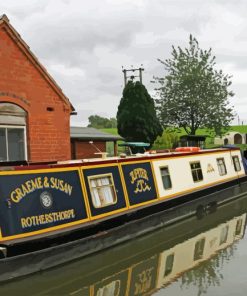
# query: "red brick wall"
[82,149]
[48,133]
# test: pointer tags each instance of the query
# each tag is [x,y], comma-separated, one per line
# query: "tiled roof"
[89,133]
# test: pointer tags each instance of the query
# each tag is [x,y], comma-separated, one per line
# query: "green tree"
[136,116]
[193,94]
[113,122]
[97,121]
[167,140]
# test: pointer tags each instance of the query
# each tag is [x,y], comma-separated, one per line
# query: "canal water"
[196,256]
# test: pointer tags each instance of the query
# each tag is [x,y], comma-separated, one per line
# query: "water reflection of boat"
[113,289]
[157,260]
[162,268]
[202,247]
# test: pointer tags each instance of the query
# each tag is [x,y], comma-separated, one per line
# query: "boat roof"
[15,166]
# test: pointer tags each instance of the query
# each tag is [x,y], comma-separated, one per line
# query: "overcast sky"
[84,44]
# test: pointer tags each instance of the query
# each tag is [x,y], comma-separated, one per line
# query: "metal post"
[132,77]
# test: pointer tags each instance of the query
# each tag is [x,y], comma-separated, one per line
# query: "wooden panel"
[139,182]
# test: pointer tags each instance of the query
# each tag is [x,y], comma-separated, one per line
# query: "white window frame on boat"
[224,234]
[168,174]
[236,163]
[113,288]
[238,227]
[221,166]
[196,169]
[6,127]
[101,190]
[199,248]
[167,270]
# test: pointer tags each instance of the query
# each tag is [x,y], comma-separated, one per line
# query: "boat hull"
[140,223]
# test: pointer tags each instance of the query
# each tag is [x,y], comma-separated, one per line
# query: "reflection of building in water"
[162,268]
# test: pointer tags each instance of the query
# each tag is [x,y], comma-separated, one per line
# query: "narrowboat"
[156,262]
[55,203]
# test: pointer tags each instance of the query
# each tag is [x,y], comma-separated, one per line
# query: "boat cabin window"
[112,288]
[224,234]
[102,190]
[221,166]
[196,171]
[238,227]
[169,264]
[236,163]
[166,179]
[199,248]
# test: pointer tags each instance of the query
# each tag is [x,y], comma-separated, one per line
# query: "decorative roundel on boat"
[46,199]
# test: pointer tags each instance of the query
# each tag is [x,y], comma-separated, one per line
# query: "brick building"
[34,112]
[82,148]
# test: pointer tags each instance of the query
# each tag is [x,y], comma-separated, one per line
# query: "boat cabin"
[193,141]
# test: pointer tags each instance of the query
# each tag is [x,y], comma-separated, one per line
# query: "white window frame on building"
[12,117]
[7,128]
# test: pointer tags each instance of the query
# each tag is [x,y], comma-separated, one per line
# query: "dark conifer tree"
[136,116]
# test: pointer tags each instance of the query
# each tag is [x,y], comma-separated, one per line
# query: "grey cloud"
[240,61]
[24,10]
[98,37]
[73,36]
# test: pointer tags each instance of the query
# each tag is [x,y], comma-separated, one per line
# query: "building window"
[221,166]
[166,179]
[12,132]
[12,143]
[199,248]
[102,190]
[11,114]
[196,171]
[236,163]
[169,264]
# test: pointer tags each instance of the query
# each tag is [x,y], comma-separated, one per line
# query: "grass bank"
[169,137]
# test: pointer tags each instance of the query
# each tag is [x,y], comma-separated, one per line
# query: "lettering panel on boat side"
[104,189]
[115,285]
[143,276]
[35,201]
[139,182]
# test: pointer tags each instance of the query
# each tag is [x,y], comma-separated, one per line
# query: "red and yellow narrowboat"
[63,201]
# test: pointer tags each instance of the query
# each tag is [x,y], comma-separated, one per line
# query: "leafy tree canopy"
[136,116]
[97,121]
[194,94]
[168,140]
